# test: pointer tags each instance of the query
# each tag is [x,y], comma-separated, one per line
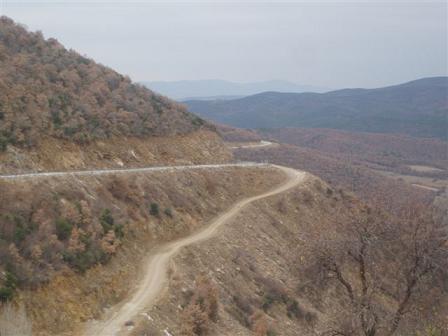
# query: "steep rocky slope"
[202,146]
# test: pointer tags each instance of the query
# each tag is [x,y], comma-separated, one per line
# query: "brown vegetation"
[58,258]
[58,155]
[275,269]
[201,310]
[232,134]
[385,270]
[48,91]
[390,151]
[388,193]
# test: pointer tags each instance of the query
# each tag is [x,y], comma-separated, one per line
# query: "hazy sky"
[324,43]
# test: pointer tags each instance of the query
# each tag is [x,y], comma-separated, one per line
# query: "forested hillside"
[417,108]
[48,91]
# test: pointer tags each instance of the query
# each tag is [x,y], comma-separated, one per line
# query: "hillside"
[417,108]
[48,91]
[60,110]
[72,245]
[261,275]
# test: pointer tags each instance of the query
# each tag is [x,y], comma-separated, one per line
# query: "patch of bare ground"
[55,154]
[420,168]
[428,183]
[61,283]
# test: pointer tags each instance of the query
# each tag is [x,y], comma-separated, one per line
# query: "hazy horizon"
[282,80]
[326,44]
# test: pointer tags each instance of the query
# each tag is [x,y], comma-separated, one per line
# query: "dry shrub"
[274,292]
[195,321]
[202,309]
[282,206]
[241,310]
[210,185]
[109,243]
[259,323]
[207,296]
[120,189]
[307,197]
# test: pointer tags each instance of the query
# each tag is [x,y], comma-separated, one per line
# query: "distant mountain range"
[207,89]
[417,108]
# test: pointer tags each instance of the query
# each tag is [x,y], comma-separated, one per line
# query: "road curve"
[157,264]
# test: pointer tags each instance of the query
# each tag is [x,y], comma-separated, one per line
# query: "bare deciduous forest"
[46,90]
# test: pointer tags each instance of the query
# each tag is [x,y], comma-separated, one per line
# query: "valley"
[395,158]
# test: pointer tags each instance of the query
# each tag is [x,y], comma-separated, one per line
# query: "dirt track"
[157,264]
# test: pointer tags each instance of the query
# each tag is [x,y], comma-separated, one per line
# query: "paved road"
[157,264]
[125,171]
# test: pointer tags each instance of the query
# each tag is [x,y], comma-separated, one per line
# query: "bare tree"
[381,271]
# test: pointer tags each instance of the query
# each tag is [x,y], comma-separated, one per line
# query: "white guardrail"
[129,170]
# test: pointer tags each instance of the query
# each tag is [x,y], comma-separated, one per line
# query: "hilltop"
[47,90]
[417,108]
[53,101]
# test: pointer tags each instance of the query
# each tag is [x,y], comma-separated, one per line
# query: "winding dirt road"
[157,264]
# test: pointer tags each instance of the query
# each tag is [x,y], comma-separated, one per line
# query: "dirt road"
[156,266]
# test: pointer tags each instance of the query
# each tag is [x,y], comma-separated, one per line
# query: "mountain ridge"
[417,108]
[49,91]
[204,89]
